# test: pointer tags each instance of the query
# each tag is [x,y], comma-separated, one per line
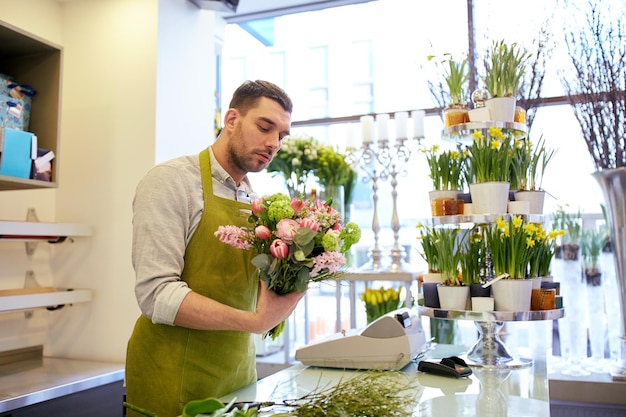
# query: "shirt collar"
[219,173]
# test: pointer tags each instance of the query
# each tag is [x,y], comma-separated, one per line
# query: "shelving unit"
[463,132]
[32,232]
[36,62]
[489,351]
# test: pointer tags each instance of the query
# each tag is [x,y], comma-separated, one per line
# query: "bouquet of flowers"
[296,242]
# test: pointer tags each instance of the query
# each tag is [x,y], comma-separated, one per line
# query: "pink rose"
[279,249]
[263,232]
[286,230]
[337,226]
[310,223]
[257,206]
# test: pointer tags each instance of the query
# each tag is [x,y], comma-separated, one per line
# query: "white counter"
[511,393]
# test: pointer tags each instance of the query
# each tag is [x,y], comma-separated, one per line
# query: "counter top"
[53,378]
[517,392]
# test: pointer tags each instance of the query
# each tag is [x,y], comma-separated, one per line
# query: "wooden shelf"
[37,231]
[36,62]
[43,297]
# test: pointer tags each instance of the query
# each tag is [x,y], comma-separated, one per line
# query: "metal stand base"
[490,352]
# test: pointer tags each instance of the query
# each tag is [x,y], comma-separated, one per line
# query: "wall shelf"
[24,231]
[42,297]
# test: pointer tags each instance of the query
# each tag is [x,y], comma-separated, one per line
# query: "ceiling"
[257,9]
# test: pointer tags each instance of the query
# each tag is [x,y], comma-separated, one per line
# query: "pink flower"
[286,230]
[337,226]
[279,249]
[331,261]
[234,236]
[310,223]
[298,205]
[263,232]
[257,206]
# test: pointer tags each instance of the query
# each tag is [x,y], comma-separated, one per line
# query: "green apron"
[168,366]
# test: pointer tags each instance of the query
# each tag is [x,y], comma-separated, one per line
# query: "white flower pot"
[535,200]
[512,294]
[490,197]
[501,109]
[453,297]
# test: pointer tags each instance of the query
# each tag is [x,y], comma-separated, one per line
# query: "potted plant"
[335,175]
[472,262]
[432,278]
[453,295]
[488,170]
[446,169]
[504,69]
[528,168]
[544,248]
[510,244]
[456,75]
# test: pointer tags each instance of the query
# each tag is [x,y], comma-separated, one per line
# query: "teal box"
[16,152]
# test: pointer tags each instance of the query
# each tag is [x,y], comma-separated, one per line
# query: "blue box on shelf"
[17,151]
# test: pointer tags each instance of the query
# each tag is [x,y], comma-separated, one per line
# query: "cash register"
[389,342]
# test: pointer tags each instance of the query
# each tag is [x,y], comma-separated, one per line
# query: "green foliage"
[456,74]
[505,67]
[446,168]
[489,157]
[529,164]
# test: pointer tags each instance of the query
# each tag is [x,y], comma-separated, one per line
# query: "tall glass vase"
[613,185]
[573,326]
[612,303]
[594,278]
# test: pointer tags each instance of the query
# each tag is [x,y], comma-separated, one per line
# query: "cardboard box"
[17,151]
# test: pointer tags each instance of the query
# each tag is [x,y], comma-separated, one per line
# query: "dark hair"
[248,93]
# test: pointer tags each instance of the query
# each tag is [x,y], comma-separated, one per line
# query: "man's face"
[258,135]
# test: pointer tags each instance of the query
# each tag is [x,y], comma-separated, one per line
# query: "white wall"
[111,101]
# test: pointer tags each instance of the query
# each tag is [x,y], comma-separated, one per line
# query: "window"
[371,58]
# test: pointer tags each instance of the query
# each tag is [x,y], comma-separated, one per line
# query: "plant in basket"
[455,73]
[296,242]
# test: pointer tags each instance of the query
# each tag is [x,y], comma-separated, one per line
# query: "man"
[201,299]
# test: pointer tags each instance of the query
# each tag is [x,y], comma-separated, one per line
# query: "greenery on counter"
[370,393]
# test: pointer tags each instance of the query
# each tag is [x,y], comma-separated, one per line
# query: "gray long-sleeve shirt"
[167,208]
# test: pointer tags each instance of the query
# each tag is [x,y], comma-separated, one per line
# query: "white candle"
[367,122]
[401,118]
[350,139]
[418,123]
[382,121]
